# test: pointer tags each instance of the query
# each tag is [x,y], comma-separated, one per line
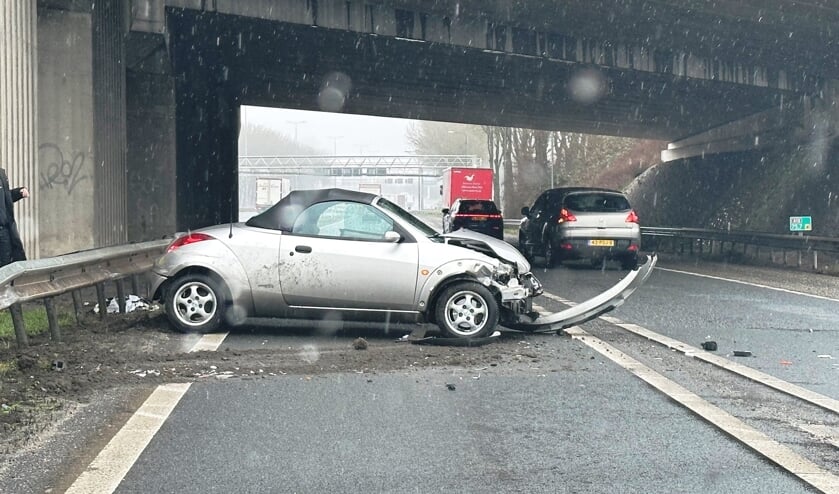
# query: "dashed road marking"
[209,342]
[107,470]
[110,466]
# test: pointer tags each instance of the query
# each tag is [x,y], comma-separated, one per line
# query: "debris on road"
[132,303]
[709,345]
[450,386]
[742,353]
[359,344]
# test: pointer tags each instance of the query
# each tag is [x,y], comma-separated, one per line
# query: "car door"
[531,227]
[336,256]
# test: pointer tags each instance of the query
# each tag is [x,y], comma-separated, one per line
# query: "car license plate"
[601,243]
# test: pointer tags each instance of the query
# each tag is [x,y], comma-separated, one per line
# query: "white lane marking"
[209,342]
[757,285]
[757,376]
[107,470]
[786,458]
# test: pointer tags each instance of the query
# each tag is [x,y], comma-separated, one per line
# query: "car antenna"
[231,217]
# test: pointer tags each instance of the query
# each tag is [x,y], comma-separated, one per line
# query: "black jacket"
[11,196]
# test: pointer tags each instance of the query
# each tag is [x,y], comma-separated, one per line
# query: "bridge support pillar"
[18,129]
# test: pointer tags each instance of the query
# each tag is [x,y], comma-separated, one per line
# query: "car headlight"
[504,270]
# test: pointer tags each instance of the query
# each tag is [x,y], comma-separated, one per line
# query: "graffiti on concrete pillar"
[59,171]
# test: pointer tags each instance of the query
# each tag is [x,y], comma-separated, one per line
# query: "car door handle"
[303,249]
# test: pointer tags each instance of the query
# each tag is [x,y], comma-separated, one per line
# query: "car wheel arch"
[160,294]
[434,297]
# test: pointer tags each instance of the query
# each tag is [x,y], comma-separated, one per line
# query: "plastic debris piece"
[742,353]
[709,345]
[786,362]
[450,386]
[826,356]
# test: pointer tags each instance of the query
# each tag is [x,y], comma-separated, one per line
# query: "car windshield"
[408,218]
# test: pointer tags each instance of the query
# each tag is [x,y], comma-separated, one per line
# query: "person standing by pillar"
[11,247]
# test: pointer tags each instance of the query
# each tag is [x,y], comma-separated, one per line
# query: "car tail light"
[632,217]
[467,215]
[632,248]
[188,239]
[566,246]
[565,215]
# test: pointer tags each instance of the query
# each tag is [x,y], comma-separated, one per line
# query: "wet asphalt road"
[571,422]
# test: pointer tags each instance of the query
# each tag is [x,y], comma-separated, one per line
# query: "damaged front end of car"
[517,287]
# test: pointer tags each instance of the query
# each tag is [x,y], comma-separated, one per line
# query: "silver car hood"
[488,245]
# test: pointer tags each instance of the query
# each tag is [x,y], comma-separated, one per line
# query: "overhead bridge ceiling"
[280,64]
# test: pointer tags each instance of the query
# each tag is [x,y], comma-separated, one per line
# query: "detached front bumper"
[591,308]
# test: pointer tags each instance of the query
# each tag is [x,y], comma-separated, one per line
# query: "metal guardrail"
[694,241]
[47,278]
[700,241]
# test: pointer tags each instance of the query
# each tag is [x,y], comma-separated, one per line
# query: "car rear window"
[596,202]
[478,207]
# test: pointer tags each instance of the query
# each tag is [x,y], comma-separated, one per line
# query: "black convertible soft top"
[281,216]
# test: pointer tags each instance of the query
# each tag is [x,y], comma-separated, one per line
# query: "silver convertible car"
[337,254]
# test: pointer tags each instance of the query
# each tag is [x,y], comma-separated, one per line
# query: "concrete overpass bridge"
[123,116]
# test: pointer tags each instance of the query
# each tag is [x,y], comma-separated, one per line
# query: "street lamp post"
[465,140]
[295,123]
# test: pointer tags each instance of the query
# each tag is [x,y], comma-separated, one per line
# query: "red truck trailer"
[466,183]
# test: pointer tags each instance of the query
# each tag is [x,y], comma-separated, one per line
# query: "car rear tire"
[550,255]
[194,304]
[466,310]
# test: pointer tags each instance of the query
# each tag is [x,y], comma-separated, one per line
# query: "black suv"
[477,215]
[581,223]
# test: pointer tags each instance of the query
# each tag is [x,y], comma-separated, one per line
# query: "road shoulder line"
[779,454]
[755,375]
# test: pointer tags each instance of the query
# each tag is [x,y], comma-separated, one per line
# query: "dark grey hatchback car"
[581,223]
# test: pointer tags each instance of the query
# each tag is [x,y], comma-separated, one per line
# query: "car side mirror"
[392,236]
[525,211]
[446,210]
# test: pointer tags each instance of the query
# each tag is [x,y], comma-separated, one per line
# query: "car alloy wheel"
[194,304]
[467,310]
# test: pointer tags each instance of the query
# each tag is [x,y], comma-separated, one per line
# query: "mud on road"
[43,383]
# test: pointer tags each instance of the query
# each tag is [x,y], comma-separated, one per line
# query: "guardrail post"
[20,327]
[121,295]
[52,318]
[77,306]
[815,260]
[100,298]
[135,285]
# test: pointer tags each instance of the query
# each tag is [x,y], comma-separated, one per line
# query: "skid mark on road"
[774,451]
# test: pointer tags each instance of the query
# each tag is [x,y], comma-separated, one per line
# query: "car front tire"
[630,263]
[466,310]
[194,304]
